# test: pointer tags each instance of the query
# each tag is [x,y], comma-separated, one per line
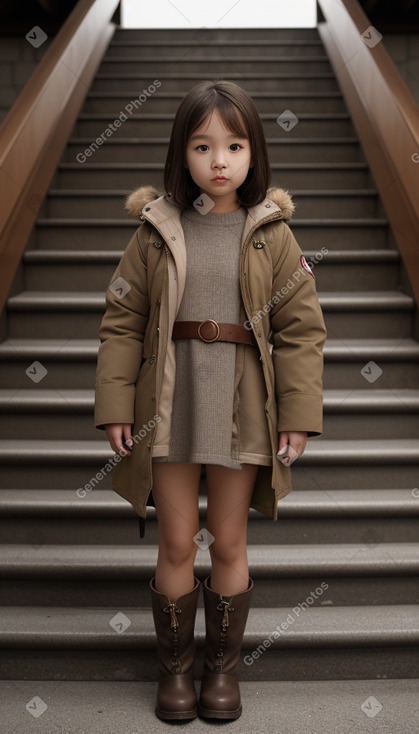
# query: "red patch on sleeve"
[306,266]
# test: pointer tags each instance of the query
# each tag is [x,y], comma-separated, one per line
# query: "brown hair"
[239,114]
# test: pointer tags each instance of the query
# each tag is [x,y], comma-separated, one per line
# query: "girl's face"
[214,151]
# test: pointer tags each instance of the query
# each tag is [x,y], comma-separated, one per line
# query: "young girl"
[211,353]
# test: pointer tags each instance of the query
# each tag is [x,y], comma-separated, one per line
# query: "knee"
[227,548]
[178,550]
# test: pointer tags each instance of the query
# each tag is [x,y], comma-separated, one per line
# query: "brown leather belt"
[212,331]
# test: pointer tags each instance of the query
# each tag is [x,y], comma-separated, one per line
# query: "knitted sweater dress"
[201,429]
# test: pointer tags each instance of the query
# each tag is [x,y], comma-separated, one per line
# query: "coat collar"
[146,203]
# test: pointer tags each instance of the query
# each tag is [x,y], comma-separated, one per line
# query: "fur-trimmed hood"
[138,199]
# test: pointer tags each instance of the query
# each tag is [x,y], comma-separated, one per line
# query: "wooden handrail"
[35,132]
[385,116]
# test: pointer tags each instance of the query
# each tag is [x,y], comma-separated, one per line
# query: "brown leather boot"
[174,623]
[225,620]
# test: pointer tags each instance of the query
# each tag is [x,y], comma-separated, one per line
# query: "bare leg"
[229,495]
[176,493]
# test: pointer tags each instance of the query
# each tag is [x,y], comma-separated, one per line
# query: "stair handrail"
[385,116]
[34,133]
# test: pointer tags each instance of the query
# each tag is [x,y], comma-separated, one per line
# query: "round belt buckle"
[212,323]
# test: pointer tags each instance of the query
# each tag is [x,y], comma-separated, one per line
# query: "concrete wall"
[18,60]
[404,50]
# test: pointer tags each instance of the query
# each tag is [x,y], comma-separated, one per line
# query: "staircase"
[339,569]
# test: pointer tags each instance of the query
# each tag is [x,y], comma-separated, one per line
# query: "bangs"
[229,114]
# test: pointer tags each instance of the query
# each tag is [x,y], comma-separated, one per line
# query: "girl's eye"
[236,145]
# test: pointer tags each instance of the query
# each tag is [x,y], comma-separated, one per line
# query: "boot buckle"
[172,609]
[224,606]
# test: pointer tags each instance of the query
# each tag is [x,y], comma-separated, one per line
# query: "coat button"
[258,245]
[268,206]
[152,358]
[158,244]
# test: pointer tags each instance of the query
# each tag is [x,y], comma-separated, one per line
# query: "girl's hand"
[117,433]
[292,445]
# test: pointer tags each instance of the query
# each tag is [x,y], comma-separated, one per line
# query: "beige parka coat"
[136,361]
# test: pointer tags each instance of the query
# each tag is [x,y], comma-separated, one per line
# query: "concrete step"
[347,464]
[341,234]
[338,269]
[369,573]
[117,76]
[346,360]
[312,204]
[396,306]
[325,642]
[326,464]
[154,150]
[215,48]
[114,234]
[68,361]
[323,707]
[83,270]
[73,361]
[68,413]
[88,562]
[208,35]
[381,413]
[153,67]
[140,124]
[34,314]
[361,516]
[316,96]
[323,175]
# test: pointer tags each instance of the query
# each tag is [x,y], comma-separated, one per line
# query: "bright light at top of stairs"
[219,14]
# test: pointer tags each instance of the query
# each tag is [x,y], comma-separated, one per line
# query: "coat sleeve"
[121,335]
[298,336]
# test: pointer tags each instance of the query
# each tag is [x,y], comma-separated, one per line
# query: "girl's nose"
[218,161]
